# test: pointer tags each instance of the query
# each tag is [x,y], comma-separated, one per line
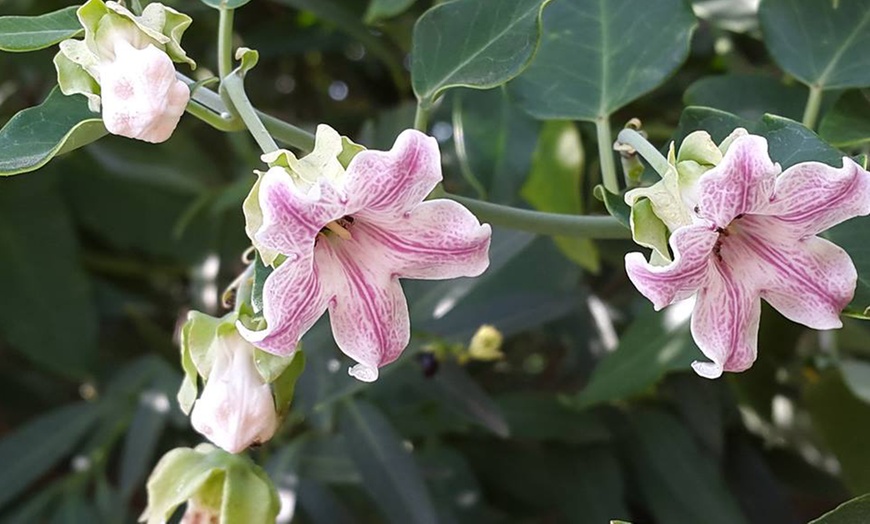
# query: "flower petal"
[812,197]
[393,182]
[294,297]
[743,182]
[368,314]
[438,239]
[808,280]
[292,217]
[725,323]
[663,285]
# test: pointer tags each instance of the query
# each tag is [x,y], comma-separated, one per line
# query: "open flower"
[348,238]
[124,66]
[754,236]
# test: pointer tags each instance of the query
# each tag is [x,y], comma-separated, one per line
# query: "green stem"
[235,89]
[225,43]
[605,153]
[421,118]
[814,103]
[213,119]
[552,224]
[288,133]
[648,151]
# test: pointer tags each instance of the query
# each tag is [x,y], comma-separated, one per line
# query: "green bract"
[212,482]
[78,61]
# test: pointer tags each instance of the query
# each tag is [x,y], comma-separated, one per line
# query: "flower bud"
[236,408]
[141,96]
[486,344]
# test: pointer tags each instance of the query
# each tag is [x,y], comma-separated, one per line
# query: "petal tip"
[709,370]
[363,372]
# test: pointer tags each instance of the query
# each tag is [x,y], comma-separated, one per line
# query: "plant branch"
[814,103]
[235,89]
[605,153]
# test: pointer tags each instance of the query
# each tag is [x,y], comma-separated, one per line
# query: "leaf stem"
[814,103]
[648,151]
[421,118]
[225,51]
[605,153]
[553,224]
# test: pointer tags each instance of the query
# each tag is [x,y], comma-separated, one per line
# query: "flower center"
[339,227]
[725,232]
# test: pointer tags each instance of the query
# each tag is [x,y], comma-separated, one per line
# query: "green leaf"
[47,312]
[140,442]
[555,185]
[748,96]
[387,468]
[225,4]
[33,449]
[847,124]
[856,375]
[615,204]
[823,44]
[855,511]
[842,420]
[31,33]
[494,143]
[284,385]
[655,344]
[678,482]
[597,56]
[852,236]
[459,392]
[542,416]
[37,134]
[383,9]
[473,43]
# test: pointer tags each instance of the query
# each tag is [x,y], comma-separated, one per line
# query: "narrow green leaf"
[555,185]
[383,9]
[140,442]
[461,393]
[34,448]
[387,468]
[473,43]
[678,482]
[30,33]
[37,134]
[855,511]
[842,420]
[598,55]
[652,346]
[47,312]
[847,124]
[823,43]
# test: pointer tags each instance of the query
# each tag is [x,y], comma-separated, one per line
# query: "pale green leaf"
[30,33]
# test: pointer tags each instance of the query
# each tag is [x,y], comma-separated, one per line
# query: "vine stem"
[648,151]
[553,224]
[225,42]
[605,153]
[235,89]
[814,103]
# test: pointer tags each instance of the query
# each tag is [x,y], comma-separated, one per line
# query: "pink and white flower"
[348,238]
[754,236]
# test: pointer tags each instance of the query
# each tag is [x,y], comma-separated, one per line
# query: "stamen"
[336,228]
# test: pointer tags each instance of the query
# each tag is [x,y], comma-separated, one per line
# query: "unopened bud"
[486,344]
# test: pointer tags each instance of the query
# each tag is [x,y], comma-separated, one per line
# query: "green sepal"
[197,337]
[248,59]
[232,484]
[72,64]
[284,386]
[272,366]
[698,146]
[648,230]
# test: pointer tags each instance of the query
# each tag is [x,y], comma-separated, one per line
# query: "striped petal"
[438,239]
[368,312]
[742,183]
[725,323]
[811,197]
[663,285]
[390,183]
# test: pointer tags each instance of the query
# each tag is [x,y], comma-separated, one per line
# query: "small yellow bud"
[486,344]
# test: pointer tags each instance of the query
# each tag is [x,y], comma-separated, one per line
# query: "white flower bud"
[236,408]
[141,97]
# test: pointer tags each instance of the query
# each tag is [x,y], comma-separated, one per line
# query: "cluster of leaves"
[593,415]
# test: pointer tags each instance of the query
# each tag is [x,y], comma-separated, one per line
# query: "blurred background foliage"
[592,415]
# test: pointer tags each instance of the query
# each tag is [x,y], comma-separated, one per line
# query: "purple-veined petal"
[742,183]
[809,280]
[811,197]
[295,295]
[725,323]
[438,239]
[292,216]
[368,312]
[663,285]
[390,183]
